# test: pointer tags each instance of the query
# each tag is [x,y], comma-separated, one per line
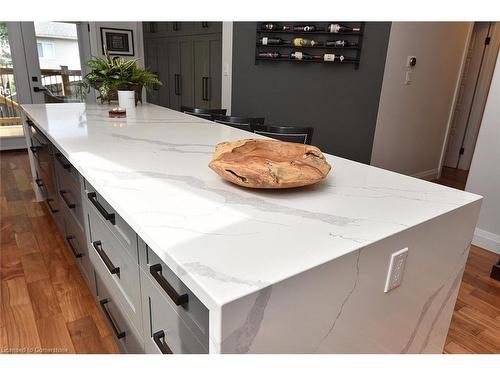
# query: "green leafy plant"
[110,74]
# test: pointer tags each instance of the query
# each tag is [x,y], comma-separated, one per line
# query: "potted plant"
[112,74]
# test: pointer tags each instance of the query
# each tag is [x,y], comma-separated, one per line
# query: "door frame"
[27,67]
[479,100]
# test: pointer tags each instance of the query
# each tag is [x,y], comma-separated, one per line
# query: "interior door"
[465,98]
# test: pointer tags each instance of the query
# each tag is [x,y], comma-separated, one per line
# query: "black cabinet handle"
[118,333]
[52,209]
[204,94]
[109,265]
[177,84]
[155,271]
[39,182]
[156,87]
[75,252]
[34,149]
[39,89]
[175,26]
[159,339]
[61,161]
[63,196]
[108,216]
[204,24]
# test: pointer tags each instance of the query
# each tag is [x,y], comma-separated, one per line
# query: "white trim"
[429,175]
[227,65]
[486,240]
[12,143]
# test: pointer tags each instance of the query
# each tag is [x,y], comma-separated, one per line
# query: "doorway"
[40,62]
[469,105]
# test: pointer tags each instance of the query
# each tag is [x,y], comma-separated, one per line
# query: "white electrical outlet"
[396,270]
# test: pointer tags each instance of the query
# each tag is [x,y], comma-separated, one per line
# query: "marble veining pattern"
[152,168]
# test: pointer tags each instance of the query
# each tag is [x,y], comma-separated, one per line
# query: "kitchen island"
[206,266]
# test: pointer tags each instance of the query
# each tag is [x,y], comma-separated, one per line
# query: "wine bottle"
[270,55]
[274,27]
[340,43]
[304,28]
[297,55]
[301,42]
[330,57]
[266,41]
[338,28]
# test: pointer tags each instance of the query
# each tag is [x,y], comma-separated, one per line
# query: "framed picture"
[117,41]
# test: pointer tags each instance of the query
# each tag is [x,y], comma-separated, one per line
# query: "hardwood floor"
[46,306]
[453,177]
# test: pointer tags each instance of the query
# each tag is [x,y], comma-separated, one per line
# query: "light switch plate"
[396,270]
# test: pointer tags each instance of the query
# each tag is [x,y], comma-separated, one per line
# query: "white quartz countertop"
[224,241]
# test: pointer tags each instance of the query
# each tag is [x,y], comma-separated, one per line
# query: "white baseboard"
[487,240]
[12,143]
[430,175]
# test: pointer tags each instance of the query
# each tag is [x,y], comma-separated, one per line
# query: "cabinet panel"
[207,27]
[125,334]
[186,70]
[163,329]
[174,74]
[215,83]
[151,62]
[201,53]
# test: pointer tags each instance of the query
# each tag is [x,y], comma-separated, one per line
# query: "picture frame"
[117,41]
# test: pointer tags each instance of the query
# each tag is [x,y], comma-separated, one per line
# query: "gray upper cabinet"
[187,57]
[207,27]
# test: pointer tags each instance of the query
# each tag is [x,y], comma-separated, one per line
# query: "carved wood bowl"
[269,164]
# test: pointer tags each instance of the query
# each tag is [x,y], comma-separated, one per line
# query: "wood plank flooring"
[46,306]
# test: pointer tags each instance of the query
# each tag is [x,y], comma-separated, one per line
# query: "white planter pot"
[126,99]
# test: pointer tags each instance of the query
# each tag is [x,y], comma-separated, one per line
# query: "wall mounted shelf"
[352,53]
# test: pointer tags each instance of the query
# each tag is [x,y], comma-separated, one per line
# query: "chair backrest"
[207,114]
[243,123]
[294,134]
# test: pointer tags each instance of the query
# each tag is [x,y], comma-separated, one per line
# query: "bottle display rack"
[331,43]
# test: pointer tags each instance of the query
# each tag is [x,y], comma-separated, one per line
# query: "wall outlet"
[396,270]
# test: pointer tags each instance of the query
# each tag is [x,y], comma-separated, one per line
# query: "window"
[45,50]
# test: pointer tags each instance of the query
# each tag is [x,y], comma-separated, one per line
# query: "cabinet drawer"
[70,192]
[67,167]
[113,221]
[164,330]
[126,335]
[194,313]
[114,264]
[75,238]
[47,180]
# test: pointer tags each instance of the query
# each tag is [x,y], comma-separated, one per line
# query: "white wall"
[484,175]
[413,119]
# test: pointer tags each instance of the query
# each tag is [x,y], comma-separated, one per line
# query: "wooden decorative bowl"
[268,164]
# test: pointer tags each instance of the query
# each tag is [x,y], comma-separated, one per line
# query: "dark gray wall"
[339,102]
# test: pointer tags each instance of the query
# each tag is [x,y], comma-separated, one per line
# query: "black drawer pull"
[93,198]
[155,271]
[34,149]
[63,196]
[119,334]
[109,265]
[39,182]
[52,209]
[61,161]
[75,252]
[159,339]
